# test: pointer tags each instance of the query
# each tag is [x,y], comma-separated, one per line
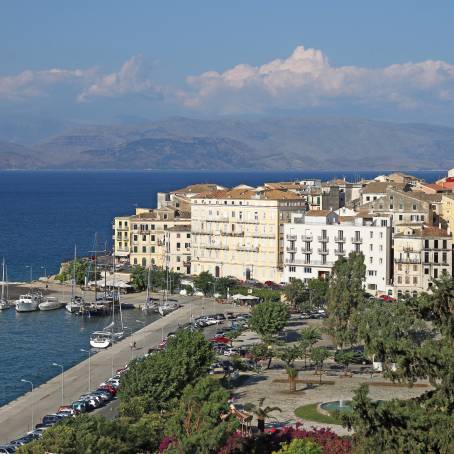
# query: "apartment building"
[421,255]
[404,207]
[239,232]
[447,211]
[178,248]
[315,240]
[141,238]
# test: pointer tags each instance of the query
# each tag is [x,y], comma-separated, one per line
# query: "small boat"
[75,306]
[167,308]
[101,339]
[28,302]
[50,303]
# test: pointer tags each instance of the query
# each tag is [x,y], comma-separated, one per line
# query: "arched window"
[135,261]
[144,262]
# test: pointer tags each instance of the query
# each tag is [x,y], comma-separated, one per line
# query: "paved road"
[16,417]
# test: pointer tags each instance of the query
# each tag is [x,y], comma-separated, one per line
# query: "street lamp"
[33,406]
[45,274]
[89,367]
[62,383]
[31,273]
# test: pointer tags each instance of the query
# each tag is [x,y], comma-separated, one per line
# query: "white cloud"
[130,79]
[307,79]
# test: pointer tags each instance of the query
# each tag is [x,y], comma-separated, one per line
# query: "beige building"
[178,248]
[240,232]
[447,211]
[421,255]
[140,238]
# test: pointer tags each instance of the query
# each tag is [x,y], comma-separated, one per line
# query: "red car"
[386,298]
[109,388]
[221,340]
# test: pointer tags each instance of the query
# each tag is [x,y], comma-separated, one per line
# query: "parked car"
[49,420]
[231,352]
[386,298]
[220,340]
[66,409]
[7,449]
[81,406]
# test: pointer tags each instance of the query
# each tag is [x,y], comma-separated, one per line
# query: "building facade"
[315,240]
[421,255]
[239,232]
[178,248]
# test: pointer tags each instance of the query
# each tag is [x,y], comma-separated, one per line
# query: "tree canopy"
[268,318]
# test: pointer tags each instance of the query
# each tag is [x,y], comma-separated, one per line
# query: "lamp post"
[62,383]
[31,274]
[89,367]
[33,405]
[44,267]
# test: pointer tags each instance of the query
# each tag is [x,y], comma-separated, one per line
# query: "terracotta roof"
[317,212]
[421,195]
[434,186]
[376,187]
[435,231]
[250,194]
[200,187]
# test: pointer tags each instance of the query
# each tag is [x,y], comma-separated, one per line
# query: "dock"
[16,416]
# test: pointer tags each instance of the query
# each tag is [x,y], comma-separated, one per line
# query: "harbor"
[16,416]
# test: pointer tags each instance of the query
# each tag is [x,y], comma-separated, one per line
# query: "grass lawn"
[310,413]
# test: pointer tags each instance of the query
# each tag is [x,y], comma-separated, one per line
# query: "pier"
[16,416]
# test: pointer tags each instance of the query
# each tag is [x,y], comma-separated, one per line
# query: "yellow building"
[447,211]
[239,232]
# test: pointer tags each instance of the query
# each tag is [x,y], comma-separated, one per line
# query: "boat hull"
[49,306]
[26,307]
[100,343]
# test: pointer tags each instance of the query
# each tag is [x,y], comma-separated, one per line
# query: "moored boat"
[50,303]
[101,339]
[28,303]
[167,308]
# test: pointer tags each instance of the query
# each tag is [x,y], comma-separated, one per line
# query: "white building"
[239,232]
[316,239]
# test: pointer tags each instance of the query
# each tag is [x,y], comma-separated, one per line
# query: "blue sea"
[44,214]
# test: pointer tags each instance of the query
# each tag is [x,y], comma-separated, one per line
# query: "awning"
[121,254]
[239,296]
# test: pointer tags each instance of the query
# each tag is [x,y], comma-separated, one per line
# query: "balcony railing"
[356,240]
[290,248]
[238,234]
[308,263]
[306,250]
[292,237]
[217,247]
[339,239]
[323,251]
[307,237]
[339,252]
[323,239]
[409,260]
[218,219]
[247,248]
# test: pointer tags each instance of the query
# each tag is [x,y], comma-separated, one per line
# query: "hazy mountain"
[14,156]
[267,143]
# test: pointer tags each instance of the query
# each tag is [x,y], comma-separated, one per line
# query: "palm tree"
[261,413]
[309,336]
[292,373]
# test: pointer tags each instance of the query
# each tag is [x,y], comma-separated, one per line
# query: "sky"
[111,60]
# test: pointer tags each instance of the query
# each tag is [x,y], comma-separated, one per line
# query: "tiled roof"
[317,212]
[180,228]
[435,231]
[250,194]
[200,187]
[376,187]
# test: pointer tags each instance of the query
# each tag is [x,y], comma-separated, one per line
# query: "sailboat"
[149,305]
[3,298]
[75,304]
[106,337]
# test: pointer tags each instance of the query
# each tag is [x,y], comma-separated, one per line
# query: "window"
[292,269]
[371,260]
[144,249]
[435,244]
[307,269]
[371,247]
[426,270]
[415,280]
[135,261]
[135,249]
[399,279]
[135,237]
[414,206]
[152,249]
[371,234]
[144,238]
[400,217]
[435,273]
[426,257]
[436,257]
[444,258]
[426,244]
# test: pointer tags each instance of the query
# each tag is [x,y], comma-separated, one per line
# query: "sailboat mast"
[95,271]
[73,280]
[3,278]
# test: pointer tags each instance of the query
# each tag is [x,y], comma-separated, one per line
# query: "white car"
[231,352]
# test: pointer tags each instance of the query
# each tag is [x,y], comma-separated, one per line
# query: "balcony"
[407,260]
[218,219]
[306,250]
[291,248]
[267,236]
[236,234]
[245,248]
[356,240]
[323,239]
[339,239]
[218,247]
[292,237]
[339,252]
[307,237]
[314,263]
[323,251]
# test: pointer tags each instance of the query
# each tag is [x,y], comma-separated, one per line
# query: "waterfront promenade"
[16,417]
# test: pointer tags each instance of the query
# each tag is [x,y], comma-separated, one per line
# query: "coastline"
[15,417]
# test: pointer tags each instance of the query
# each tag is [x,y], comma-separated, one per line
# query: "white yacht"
[167,308]
[28,303]
[50,303]
[101,339]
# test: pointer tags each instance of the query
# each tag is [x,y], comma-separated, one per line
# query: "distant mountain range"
[231,144]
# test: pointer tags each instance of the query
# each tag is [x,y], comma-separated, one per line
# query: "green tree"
[300,446]
[289,355]
[296,292]
[153,383]
[309,336]
[318,292]
[222,285]
[345,358]
[319,355]
[269,318]
[204,282]
[196,426]
[139,278]
[345,296]
[83,268]
[261,413]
